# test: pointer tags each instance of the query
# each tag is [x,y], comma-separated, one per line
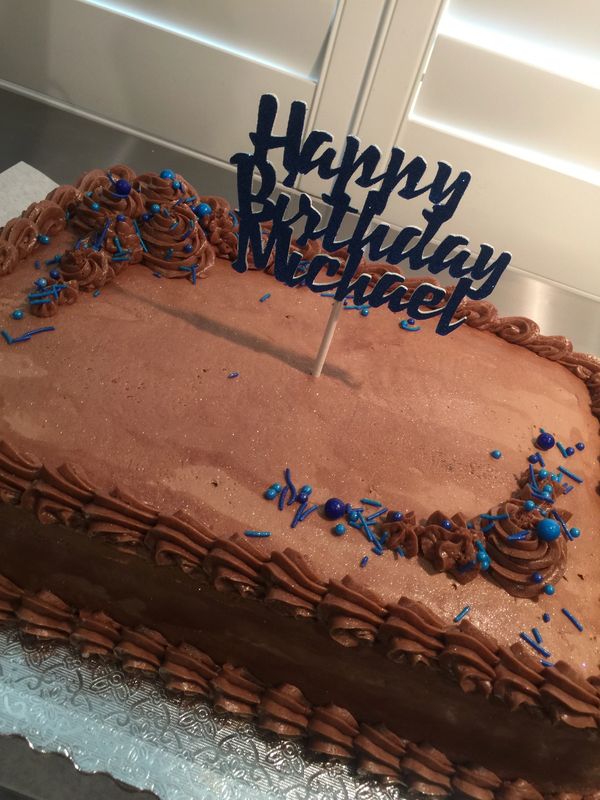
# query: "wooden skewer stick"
[327,337]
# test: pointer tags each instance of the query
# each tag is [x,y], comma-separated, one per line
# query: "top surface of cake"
[134,386]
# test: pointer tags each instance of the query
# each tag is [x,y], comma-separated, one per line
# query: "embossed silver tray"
[107,721]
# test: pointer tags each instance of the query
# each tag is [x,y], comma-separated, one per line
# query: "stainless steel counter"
[62,146]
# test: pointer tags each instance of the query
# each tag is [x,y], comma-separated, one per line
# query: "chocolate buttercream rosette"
[164,189]
[517,552]
[220,226]
[90,269]
[103,205]
[175,243]
[450,546]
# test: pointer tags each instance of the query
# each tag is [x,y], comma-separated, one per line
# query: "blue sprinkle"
[308,511]
[157,274]
[96,293]
[38,264]
[537,577]
[399,551]
[567,488]
[257,534]
[264,297]
[562,449]
[487,528]
[549,589]
[233,375]
[546,616]
[288,479]
[570,451]
[17,314]
[573,477]
[397,516]
[580,446]
[545,663]
[572,619]
[43,239]
[575,533]
[537,635]
[298,515]
[282,497]
[494,516]
[496,454]
[517,537]
[532,479]
[376,514]
[562,524]
[538,648]
[271,493]
[339,529]
[462,614]
[364,561]
[374,503]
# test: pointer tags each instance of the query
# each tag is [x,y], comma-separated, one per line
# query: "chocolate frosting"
[102,205]
[48,216]
[236,691]
[155,189]
[378,751]
[166,236]
[451,550]
[95,634]
[471,657]
[59,496]
[404,534]
[10,597]
[284,710]
[141,650]
[66,296]
[351,613]
[9,258]
[99,177]
[412,632]
[45,616]
[90,269]
[569,697]
[124,231]
[187,670]
[22,233]
[291,585]
[178,539]
[427,770]
[518,677]
[220,227]
[518,790]
[17,471]
[67,197]
[476,783]
[233,565]
[331,731]
[120,518]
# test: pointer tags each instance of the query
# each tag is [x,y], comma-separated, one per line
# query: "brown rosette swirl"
[121,519]
[220,227]
[452,549]
[67,197]
[475,783]
[569,697]
[100,177]
[17,472]
[95,634]
[233,565]
[517,330]
[90,269]
[10,597]
[412,632]
[284,710]
[141,650]
[331,731]
[22,233]
[67,293]
[48,217]
[179,539]
[513,562]
[551,347]
[59,496]
[378,752]
[518,790]
[291,585]
[480,314]
[582,365]
[122,238]
[187,670]
[427,771]
[471,657]
[402,535]
[518,678]
[593,385]
[236,691]
[351,613]
[103,204]
[155,189]
[167,236]
[45,616]
[9,258]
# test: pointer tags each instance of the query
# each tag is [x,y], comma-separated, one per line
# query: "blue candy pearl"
[176,184]
[167,174]
[555,478]
[575,533]
[122,187]
[121,217]
[496,454]
[43,239]
[447,524]
[95,207]
[364,312]
[537,577]
[353,516]
[339,529]
[334,508]
[549,589]
[545,441]
[484,563]
[543,473]
[397,516]
[411,321]
[528,505]
[306,489]
[155,208]
[146,217]
[580,446]
[302,497]
[17,314]
[276,486]
[548,530]
[270,494]
[570,451]
[547,489]
[204,209]
[188,248]
[55,274]
[41,283]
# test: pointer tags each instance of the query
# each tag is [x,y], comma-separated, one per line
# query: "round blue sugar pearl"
[334,508]
[276,486]
[339,529]
[554,477]
[496,454]
[41,283]
[543,473]
[95,207]
[545,441]
[548,530]
[364,312]
[55,274]
[528,505]
[17,314]
[570,451]
[580,446]
[484,563]
[204,209]
[547,489]
[155,208]
[121,217]
[187,248]
[306,489]
[43,239]
[122,187]
[549,589]
[176,184]
[447,524]
[411,321]
[396,516]
[167,174]
[575,533]
[537,577]
[353,516]
[146,217]
[270,494]
[302,497]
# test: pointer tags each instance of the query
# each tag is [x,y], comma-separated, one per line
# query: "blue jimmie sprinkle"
[517,537]
[532,479]
[562,524]
[257,534]
[364,561]
[288,479]
[462,614]
[537,635]
[545,663]
[264,297]
[139,235]
[298,515]
[546,616]
[308,511]
[374,503]
[494,516]
[233,375]
[538,648]
[573,477]
[572,619]
[38,264]
[282,497]
[96,293]
[487,528]
[377,514]
[563,449]
[399,551]
[567,488]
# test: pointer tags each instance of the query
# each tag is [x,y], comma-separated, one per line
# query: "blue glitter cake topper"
[477,273]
